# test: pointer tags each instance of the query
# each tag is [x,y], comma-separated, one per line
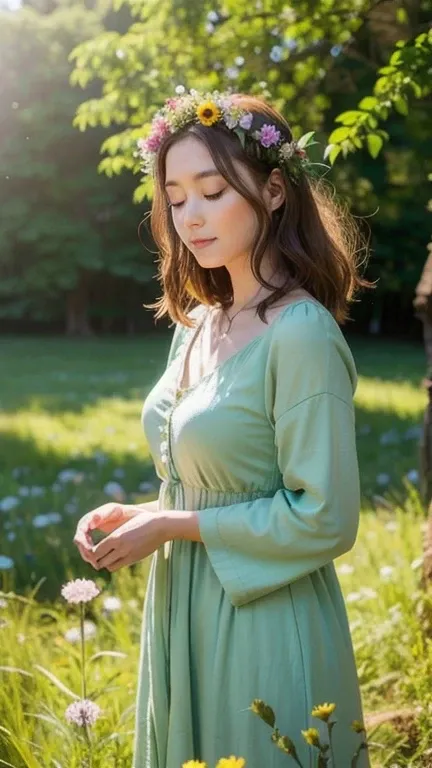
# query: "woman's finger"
[107,559]
[85,554]
[83,538]
[117,564]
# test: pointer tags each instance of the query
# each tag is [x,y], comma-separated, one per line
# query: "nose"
[192,214]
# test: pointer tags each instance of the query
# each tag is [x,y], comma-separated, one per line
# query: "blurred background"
[79,84]
[71,261]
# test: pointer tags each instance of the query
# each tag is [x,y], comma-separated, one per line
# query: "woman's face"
[205,207]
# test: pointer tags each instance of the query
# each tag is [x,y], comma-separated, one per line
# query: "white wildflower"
[83,712]
[37,490]
[41,521]
[392,526]
[73,635]
[368,593]
[80,591]
[353,597]
[66,475]
[345,569]
[276,53]
[232,73]
[9,503]
[115,490]
[413,476]
[383,478]
[112,603]
[386,572]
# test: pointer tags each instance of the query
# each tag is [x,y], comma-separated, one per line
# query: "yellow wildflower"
[284,743]
[357,726]
[311,737]
[323,711]
[264,711]
[231,762]
[194,764]
[208,113]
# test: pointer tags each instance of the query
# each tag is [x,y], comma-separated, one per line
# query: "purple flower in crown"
[246,121]
[269,135]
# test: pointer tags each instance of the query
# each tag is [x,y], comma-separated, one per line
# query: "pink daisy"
[80,591]
[83,712]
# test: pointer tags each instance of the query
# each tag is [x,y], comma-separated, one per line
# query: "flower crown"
[267,143]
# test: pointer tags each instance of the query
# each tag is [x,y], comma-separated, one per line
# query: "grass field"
[70,425]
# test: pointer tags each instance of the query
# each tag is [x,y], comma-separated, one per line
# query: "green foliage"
[65,229]
[59,219]
[408,73]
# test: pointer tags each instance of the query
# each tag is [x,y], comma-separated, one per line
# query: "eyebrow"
[200,175]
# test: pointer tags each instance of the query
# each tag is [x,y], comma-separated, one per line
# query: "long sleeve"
[260,546]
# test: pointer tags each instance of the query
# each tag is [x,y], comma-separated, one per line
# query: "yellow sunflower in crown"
[208,113]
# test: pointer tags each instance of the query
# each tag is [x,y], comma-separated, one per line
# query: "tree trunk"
[77,321]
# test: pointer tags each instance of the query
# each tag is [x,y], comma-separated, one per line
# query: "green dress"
[264,449]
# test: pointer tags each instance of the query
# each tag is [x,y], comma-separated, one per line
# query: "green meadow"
[71,439]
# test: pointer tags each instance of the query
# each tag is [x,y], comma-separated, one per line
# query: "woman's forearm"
[150,506]
[180,524]
[176,524]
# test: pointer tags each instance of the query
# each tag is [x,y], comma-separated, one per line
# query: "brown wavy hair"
[316,239]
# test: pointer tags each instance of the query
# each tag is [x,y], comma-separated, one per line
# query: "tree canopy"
[82,81]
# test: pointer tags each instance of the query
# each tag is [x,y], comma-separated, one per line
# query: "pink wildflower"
[80,591]
[171,103]
[269,135]
[83,712]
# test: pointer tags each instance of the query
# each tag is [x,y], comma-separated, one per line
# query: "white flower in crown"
[287,150]
[230,120]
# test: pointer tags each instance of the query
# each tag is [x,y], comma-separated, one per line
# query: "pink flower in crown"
[160,129]
[171,103]
[269,135]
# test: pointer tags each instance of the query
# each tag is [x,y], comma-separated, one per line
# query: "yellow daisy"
[311,737]
[208,113]
[231,762]
[323,711]
[194,764]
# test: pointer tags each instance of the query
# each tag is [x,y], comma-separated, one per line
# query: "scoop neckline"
[185,390]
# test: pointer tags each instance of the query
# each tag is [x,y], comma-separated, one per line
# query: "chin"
[210,262]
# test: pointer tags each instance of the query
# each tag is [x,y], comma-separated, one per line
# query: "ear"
[274,191]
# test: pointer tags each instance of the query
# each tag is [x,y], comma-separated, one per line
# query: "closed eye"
[216,196]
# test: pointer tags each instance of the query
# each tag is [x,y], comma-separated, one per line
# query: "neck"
[245,285]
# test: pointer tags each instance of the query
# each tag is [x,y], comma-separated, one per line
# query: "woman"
[251,429]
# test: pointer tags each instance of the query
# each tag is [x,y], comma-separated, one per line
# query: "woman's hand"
[132,541]
[107,519]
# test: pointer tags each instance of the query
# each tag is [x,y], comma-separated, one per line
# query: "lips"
[203,240]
